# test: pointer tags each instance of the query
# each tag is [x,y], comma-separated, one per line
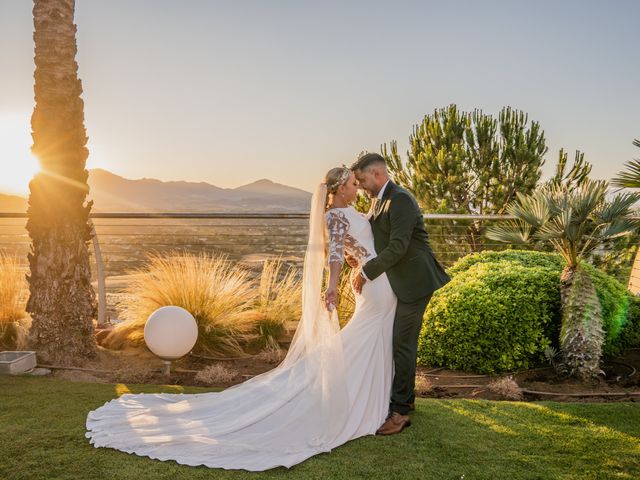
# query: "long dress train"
[335,389]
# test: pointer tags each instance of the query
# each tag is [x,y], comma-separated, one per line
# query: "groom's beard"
[368,194]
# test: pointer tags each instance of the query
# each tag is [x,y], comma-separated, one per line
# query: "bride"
[333,386]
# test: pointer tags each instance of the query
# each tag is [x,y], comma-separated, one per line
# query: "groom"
[404,254]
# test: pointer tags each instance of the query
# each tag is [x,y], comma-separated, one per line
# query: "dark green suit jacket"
[403,249]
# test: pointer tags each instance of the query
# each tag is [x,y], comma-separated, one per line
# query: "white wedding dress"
[333,386]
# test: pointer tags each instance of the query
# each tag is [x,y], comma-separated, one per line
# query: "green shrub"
[495,317]
[614,299]
[481,319]
[612,294]
[525,258]
[630,335]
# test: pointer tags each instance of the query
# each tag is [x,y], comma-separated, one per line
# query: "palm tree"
[575,220]
[62,301]
[630,177]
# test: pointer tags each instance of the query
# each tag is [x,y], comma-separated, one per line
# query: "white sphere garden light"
[170,333]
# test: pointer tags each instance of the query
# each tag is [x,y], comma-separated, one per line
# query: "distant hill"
[268,187]
[113,193]
[12,204]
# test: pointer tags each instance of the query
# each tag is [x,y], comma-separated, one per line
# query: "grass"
[232,310]
[42,424]
[278,302]
[14,321]
[214,291]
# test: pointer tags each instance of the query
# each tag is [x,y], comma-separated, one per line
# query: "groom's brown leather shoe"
[395,423]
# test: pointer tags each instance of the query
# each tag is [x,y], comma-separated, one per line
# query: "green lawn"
[42,437]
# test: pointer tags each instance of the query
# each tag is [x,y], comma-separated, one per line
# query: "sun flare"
[18,164]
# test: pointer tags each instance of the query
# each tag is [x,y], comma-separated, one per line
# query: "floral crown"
[342,178]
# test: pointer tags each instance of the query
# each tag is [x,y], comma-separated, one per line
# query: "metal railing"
[122,242]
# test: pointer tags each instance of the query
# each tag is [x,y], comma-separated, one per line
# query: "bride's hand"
[331,298]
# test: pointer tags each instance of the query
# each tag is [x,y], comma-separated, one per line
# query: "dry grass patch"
[272,354]
[14,292]
[505,387]
[216,374]
[423,385]
[278,302]
[217,293]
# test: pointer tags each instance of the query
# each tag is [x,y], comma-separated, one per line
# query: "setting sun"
[19,165]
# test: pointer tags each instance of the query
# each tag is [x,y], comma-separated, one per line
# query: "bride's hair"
[333,179]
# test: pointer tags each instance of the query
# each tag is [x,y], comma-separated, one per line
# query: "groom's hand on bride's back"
[351,260]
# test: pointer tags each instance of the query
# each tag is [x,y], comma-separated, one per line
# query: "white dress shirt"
[378,199]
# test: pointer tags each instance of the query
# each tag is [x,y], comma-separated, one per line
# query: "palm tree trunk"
[581,334]
[62,301]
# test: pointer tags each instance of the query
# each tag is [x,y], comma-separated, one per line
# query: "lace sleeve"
[338,226]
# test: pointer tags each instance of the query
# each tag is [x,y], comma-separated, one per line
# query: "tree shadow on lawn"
[571,440]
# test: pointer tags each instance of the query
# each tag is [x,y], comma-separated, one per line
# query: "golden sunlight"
[18,164]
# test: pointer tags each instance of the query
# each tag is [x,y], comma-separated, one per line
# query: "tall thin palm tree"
[575,220]
[62,301]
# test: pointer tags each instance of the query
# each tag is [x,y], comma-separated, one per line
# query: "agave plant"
[630,177]
[575,220]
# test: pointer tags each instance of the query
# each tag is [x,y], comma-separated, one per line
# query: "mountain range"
[113,193]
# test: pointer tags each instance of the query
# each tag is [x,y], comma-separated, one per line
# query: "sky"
[235,91]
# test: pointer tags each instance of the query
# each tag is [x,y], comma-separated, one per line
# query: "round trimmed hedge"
[501,309]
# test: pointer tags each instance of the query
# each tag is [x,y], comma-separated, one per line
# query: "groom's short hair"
[367,160]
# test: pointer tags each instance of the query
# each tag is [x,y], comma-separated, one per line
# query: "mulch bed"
[621,383]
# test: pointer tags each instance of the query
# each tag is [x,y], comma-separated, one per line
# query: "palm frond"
[555,228]
[619,206]
[587,199]
[617,229]
[534,209]
[512,232]
[630,176]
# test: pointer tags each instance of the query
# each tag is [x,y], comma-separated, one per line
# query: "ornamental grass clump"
[278,302]
[14,320]
[217,293]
